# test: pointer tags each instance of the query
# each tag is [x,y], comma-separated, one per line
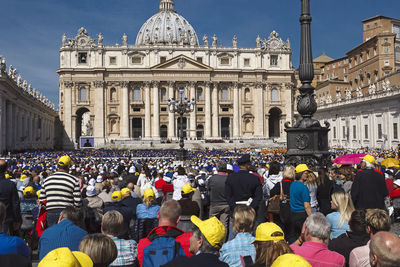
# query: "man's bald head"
[3,166]
[385,250]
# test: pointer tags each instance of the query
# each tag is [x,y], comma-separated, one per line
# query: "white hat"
[397,182]
[229,167]
[90,191]
[99,179]
[132,169]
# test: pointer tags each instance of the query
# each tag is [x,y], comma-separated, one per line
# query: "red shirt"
[183,239]
[163,186]
[395,193]
[389,185]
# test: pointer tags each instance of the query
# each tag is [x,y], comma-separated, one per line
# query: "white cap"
[397,182]
[99,179]
[229,167]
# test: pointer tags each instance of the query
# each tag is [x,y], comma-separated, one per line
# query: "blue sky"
[30,31]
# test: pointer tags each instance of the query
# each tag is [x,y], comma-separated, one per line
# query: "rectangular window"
[274,60]
[344,132]
[136,109]
[395,131]
[379,131]
[163,59]
[366,131]
[247,62]
[354,132]
[136,60]
[199,59]
[82,58]
[113,60]
[225,109]
[163,109]
[200,109]
[225,61]
[334,132]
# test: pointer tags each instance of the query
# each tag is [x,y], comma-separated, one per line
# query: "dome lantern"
[167,5]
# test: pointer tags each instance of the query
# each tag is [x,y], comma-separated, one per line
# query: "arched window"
[247,95]
[274,95]
[199,94]
[136,94]
[82,94]
[163,94]
[224,94]
[113,94]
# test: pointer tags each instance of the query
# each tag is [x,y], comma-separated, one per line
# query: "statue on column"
[234,41]
[371,89]
[215,41]
[338,96]
[19,81]
[192,39]
[25,85]
[64,40]
[30,89]
[359,92]
[348,94]
[258,41]
[205,40]
[125,39]
[100,39]
[3,65]
[89,128]
[329,99]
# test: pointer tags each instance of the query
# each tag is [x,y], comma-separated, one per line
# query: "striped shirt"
[61,190]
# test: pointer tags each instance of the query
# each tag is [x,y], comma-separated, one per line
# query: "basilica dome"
[167,27]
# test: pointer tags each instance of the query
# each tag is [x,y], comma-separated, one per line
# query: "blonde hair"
[243,219]
[312,179]
[112,223]
[149,201]
[100,248]
[377,220]
[344,206]
[289,172]
[268,251]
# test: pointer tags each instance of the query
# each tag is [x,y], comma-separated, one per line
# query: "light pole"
[307,141]
[182,107]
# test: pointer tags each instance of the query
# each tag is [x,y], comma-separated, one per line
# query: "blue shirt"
[239,246]
[337,230]
[142,212]
[13,245]
[63,234]
[299,194]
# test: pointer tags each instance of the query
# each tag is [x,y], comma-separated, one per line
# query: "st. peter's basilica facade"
[120,93]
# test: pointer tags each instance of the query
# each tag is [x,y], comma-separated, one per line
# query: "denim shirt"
[239,246]
[143,212]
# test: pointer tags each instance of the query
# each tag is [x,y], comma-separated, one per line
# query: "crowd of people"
[220,208]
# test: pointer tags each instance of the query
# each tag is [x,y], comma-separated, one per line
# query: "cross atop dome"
[167,5]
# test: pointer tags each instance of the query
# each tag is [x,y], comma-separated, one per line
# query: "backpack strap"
[173,232]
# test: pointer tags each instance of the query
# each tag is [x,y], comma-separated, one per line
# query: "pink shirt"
[359,257]
[318,254]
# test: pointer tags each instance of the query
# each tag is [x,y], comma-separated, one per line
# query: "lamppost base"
[308,146]
[181,154]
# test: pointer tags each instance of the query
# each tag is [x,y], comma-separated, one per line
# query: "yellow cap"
[125,191]
[29,190]
[290,259]
[65,161]
[302,168]
[23,177]
[66,258]
[212,229]
[369,158]
[7,176]
[38,193]
[148,193]
[116,195]
[186,189]
[137,174]
[265,230]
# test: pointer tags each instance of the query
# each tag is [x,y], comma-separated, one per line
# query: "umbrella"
[390,163]
[349,159]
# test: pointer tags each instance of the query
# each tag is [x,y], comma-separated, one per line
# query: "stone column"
[236,107]
[2,125]
[288,101]
[193,124]
[67,114]
[171,116]
[215,109]
[207,128]
[147,108]
[99,111]
[124,125]
[156,110]
[259,110]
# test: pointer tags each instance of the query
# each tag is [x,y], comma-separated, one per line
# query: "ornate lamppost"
[307,140]
[182,107]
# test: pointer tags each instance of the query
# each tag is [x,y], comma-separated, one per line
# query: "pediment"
[182,63]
